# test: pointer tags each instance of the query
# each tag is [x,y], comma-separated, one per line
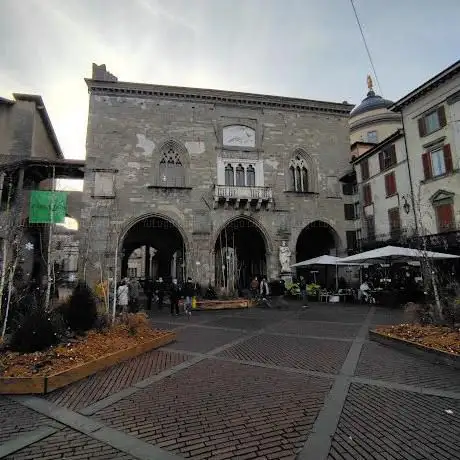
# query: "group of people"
[128,294]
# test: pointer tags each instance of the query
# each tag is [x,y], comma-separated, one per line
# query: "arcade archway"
[316,239]
[240,255]
[153,247]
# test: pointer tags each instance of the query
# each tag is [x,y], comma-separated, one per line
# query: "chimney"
[100,73]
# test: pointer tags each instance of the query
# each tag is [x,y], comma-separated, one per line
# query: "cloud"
[300,48]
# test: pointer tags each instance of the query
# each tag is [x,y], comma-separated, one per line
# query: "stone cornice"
[212,96]
[376,119]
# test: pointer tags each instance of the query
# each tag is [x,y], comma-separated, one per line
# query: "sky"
[301,48]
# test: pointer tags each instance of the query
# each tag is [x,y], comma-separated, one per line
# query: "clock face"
[239,136]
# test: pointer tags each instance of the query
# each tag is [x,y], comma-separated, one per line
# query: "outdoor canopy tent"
[325,260]
[395,254]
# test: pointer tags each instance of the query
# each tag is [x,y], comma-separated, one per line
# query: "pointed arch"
[303,174]
[173,160]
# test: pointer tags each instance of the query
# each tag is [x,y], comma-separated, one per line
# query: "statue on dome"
[370,84]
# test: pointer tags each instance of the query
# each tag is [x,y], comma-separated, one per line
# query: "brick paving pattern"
[319,329]
[378,423]
[223,410]
[203,340]
[383,363]
[68,444]
[294,352]
[98,386]
[16,419]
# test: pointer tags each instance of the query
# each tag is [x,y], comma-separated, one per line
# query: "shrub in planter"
[35,330]
[102,323]
[80,311]
[451,312]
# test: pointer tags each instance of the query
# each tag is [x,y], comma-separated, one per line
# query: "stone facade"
[128,127]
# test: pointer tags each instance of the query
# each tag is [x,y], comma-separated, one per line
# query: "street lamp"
[406,205]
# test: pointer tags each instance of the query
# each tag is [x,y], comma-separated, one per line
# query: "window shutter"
[442,116]
[448,158]
[392,183]
[445,217]
[426,165]
[392,152]
[381,161]
[387,184]
[421,127]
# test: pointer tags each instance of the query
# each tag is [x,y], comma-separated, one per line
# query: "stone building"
[213,181]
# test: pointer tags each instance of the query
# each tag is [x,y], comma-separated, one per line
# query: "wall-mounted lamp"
[406,205]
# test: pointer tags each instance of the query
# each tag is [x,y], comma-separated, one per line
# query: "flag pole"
[50,239]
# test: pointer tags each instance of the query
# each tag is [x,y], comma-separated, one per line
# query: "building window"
[229,176]
[387,157]
[352,240]
[349,211]
[240,176]
[364,170]
[104,184]
[394,221]
[367,194]
[390,184]
[349,189]
[432,122]
[437,162]
[250,176]
[370,227]
[445,217]
[372,137]
[298,173]
[172,171]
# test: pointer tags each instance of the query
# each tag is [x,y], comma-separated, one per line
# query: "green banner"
[47,207]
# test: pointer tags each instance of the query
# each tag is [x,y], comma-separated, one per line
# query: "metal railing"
[243,193]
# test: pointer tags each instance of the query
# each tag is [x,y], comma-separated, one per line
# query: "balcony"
[242,196]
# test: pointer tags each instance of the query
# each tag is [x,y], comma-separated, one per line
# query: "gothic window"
[301,178]
[250,176]
[240,176]
[229,177]
[172,171]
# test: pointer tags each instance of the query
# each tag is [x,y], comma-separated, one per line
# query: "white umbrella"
[325,260]
[395,254]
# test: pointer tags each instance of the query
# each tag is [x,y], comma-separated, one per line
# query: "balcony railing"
[257,195]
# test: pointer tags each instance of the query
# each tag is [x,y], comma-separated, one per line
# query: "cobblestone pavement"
[250,384]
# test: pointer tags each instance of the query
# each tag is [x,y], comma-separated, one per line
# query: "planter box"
[46,384]
[427,353]
[222,304]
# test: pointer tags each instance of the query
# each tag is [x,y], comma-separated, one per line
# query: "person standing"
[174,296]
[303,288]
[134,291]
[189,292]
[254,287]
[123,296]
[148,289]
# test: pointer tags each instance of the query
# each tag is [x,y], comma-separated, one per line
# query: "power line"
[367,48]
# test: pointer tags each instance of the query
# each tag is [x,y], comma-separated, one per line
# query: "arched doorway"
[153,247]
[240,254]
[316,239]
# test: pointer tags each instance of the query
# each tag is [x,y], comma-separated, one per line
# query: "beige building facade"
[215,181]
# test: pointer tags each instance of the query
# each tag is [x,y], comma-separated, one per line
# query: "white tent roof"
[393,253]
[322,260]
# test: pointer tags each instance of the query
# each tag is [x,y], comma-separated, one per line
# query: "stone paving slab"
[16,420]
[320,329]
[384,363]
[102,384]
[245,323]
[294,352]
[379,423]
[219,410]
[202,339]
[69,445]
[386,316]
[334,314]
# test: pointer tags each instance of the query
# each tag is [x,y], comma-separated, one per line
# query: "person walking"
[134,291]
[189,292]
[174,296]
[160,292]
[254,288]
[265,292]
[123,296]
[303,288]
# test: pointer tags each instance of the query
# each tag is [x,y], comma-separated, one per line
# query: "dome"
[371,102]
